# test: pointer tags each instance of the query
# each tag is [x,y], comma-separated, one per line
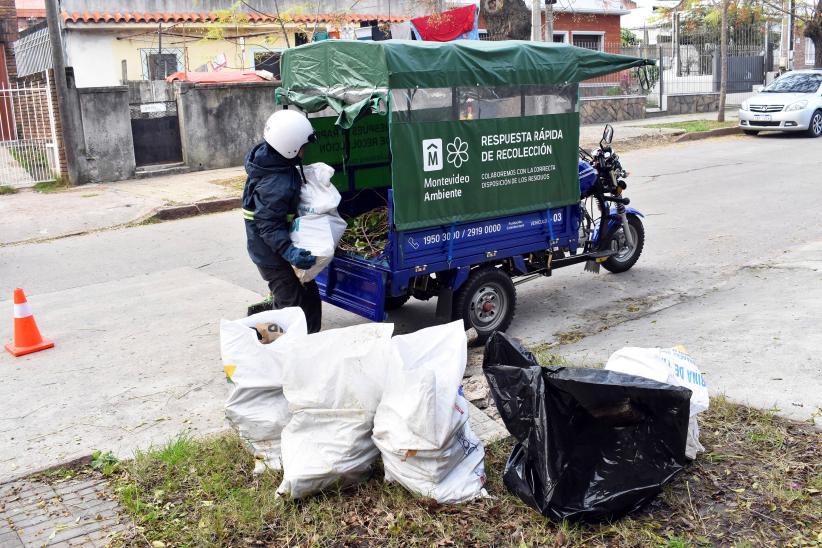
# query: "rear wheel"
[486,302]
[750,132]
[815,127]
[627,255]
[393,303]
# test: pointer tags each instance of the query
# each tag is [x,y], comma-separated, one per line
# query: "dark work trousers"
[287,290]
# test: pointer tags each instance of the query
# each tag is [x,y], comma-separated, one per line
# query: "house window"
[810,53]
[588,40]
[268,60]
[300,38]
[560,37]
[159,64]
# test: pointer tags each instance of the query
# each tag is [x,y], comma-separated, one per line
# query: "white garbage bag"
[333,387]
[256,406]
[459,468]
[672,366]
[319,234]
[421,425]
[318,194]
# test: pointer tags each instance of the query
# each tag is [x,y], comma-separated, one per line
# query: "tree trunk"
[506,19]
[723,52]
[813,30]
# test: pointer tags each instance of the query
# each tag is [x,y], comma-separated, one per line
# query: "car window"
[796,83]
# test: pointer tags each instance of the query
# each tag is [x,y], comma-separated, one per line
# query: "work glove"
[301,258]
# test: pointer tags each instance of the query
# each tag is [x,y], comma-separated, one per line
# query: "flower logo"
[457,152]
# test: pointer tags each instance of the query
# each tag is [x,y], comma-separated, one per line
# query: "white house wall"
[92,56]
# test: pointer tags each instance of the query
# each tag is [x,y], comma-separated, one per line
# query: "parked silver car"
[792,102]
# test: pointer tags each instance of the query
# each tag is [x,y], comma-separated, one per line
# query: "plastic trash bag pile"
[591,443]
[323,407]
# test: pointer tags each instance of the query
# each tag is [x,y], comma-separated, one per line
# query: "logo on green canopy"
[457,152]
[431,154]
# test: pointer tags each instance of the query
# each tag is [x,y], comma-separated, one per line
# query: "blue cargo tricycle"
[473,148]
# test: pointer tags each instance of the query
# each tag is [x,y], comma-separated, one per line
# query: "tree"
[723,52]
[628,38]
[808,16]
[506,19]
[813,30]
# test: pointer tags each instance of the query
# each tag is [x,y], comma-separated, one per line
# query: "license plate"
[762,117]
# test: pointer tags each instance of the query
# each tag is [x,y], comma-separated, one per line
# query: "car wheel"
[750,132]
[815,127]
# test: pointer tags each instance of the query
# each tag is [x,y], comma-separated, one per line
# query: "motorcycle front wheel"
[626,255]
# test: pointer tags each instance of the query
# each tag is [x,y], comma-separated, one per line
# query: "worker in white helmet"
[270,199]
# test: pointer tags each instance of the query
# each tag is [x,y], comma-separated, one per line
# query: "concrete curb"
[171,213]
[698,135]
[72,464]
[629,142]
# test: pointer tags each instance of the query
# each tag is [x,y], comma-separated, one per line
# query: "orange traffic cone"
[27,338]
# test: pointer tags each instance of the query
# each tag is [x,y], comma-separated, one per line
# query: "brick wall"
[579,22]
[799,61]
[33,108]
[8,34]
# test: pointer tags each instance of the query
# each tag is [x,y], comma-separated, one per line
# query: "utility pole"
[72,136]
[536,20]
[549,20]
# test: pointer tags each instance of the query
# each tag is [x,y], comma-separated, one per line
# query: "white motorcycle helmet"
[287,131]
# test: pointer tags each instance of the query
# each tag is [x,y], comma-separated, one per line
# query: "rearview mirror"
[608,134]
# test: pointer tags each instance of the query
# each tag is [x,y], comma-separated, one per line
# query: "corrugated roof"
[199,17]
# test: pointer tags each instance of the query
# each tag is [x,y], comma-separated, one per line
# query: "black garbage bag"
[591,444]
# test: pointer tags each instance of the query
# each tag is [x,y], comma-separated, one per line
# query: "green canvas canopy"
[350,75]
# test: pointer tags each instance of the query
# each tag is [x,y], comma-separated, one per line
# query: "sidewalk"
[631,130]
[32,216]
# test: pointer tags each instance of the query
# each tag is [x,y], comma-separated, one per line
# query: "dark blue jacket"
[270,199]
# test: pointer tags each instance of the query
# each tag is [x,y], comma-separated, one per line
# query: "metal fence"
[687,63]
[33,52]
[28,136]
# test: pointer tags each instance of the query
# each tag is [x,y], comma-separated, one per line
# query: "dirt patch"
[235,184]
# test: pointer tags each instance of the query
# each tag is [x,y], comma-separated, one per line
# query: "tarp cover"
[349,75]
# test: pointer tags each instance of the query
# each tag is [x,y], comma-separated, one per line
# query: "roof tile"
[165,17]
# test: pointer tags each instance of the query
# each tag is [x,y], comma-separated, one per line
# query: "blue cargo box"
[361,285]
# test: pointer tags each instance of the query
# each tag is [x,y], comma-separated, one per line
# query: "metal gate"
[28,136]
[154,123]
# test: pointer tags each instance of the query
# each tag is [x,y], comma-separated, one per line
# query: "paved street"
[731,269]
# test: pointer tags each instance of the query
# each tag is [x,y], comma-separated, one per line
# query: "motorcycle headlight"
[799,105]
[744,105]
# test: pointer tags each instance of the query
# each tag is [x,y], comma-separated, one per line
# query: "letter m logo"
[432,154]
